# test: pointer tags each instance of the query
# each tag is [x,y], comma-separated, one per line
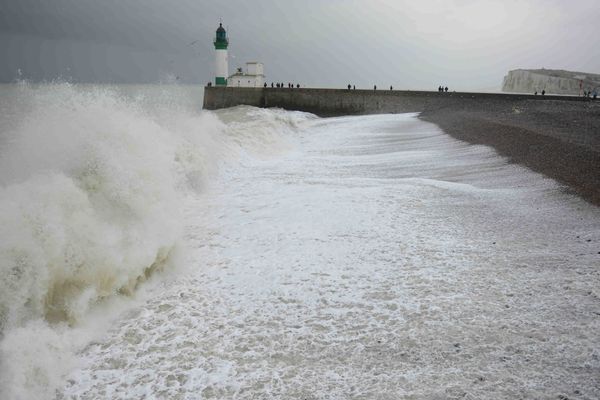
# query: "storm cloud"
[465,44]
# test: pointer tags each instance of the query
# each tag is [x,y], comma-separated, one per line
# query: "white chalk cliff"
[552,81]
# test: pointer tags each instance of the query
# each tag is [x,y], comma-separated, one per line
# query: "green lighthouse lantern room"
[221,41]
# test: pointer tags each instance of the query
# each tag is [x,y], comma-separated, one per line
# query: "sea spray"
[92,183]
[90,200]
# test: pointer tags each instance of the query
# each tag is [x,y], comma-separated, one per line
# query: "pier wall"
[333,102]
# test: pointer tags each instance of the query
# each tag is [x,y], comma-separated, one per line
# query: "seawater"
[150,249]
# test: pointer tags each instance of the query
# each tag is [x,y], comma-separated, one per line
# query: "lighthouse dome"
[221,40]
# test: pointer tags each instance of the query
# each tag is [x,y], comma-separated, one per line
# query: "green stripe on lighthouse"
[220,81]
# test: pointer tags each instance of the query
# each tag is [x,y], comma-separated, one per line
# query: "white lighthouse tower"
[221,68]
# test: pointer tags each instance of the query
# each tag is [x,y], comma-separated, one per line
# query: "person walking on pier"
[348,86]
[374,87]
[391,88]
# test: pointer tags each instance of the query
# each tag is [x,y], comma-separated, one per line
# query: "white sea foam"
[356,257]
[380,259]
[93,182]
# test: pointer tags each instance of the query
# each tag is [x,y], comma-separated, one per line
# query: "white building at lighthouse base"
[253,76]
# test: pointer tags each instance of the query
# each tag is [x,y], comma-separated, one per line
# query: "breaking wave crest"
[92,182]
[89,200]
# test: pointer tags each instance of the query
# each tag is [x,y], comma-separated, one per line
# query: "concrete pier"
[335,102]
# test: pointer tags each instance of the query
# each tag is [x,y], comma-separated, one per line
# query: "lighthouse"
[221,68]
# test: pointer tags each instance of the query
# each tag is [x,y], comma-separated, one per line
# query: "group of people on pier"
[353,87]
[442,89]
[281,85]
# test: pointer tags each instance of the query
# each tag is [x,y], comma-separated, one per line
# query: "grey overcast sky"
[465,44]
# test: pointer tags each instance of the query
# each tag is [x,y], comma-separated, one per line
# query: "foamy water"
[149,249]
